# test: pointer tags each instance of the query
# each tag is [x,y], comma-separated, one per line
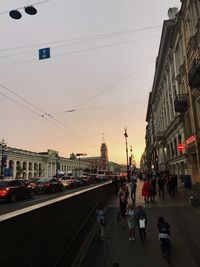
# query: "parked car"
[33,182]
[13,189]
[94,178]
[48,185]
[84,180]
[66,182]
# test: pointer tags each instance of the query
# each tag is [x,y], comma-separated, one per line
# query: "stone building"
[26,164]
[173,114]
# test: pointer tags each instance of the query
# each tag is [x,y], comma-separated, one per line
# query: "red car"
[13,189]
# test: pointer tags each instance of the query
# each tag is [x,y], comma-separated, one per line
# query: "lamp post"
[57,166]
[127,165]
[3,145]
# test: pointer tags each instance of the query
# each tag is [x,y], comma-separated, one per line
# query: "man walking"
[141,218]
[133,191]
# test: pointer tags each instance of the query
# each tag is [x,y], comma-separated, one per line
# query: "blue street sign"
[44,53]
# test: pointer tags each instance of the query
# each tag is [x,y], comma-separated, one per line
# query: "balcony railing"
[181,103]
[194,75]
[159,136]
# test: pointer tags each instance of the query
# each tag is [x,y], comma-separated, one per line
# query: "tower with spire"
[104,156]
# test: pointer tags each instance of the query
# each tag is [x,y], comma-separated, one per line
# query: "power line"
[77,51]
[82,50]
[85,39]
[100,107]
[45,115]
[20,104]
[78,110]
[114,84]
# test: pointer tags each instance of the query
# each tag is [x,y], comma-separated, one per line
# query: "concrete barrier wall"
[50,233]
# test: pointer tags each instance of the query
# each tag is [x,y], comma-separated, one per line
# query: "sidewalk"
[184,221]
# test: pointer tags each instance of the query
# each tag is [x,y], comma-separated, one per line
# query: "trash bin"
[187,182]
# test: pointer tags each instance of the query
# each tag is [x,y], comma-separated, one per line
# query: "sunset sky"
[97,80]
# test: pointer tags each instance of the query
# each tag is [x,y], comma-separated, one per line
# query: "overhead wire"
[76,51]
[81,50]
[84,39]
[113,85]
[45,115]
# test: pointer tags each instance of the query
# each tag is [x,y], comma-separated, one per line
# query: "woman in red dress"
[146,191]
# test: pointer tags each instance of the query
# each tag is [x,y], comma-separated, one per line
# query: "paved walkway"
[185,231]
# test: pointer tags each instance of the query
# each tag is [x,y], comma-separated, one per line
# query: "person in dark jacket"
[141,219]
[164,237]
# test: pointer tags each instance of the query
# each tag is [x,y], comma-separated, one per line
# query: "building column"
[14,168]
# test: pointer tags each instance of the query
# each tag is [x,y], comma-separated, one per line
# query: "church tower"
[104,156]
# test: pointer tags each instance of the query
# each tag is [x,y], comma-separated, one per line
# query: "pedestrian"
[171,186]
[175,182]
[131,218]
[123,200]
[164,237]
[116,184]
[153,189]
[161,187]
[146,191]
[141,218]
[133,190]
[100,217]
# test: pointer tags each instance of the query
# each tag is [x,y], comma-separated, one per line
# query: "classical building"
[26,164]
[173,114]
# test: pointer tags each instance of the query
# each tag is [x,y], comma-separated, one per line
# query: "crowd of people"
[161,183]
[134,216]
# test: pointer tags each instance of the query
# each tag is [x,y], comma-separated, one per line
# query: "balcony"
[159,136]
[194,75]
[180,103]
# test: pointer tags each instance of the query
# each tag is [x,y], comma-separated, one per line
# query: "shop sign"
[181,147]
[190,140]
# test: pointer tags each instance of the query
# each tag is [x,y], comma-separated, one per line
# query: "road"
[6,207]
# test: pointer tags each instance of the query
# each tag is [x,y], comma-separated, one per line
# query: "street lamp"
[29,9]
[127,165]
[3,160]
[16,14]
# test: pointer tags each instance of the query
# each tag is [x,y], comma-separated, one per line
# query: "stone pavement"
[185,231]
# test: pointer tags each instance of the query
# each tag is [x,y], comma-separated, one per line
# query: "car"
[13,189]
[33,182]
[94,178]
[48,185]
[84,180]
[66,181]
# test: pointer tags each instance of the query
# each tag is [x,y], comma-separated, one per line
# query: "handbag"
[102,222]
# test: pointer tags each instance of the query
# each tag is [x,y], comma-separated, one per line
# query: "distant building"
[104,157]
[27,164]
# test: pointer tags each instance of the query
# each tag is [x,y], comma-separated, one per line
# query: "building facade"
[173,114]
[26,164]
